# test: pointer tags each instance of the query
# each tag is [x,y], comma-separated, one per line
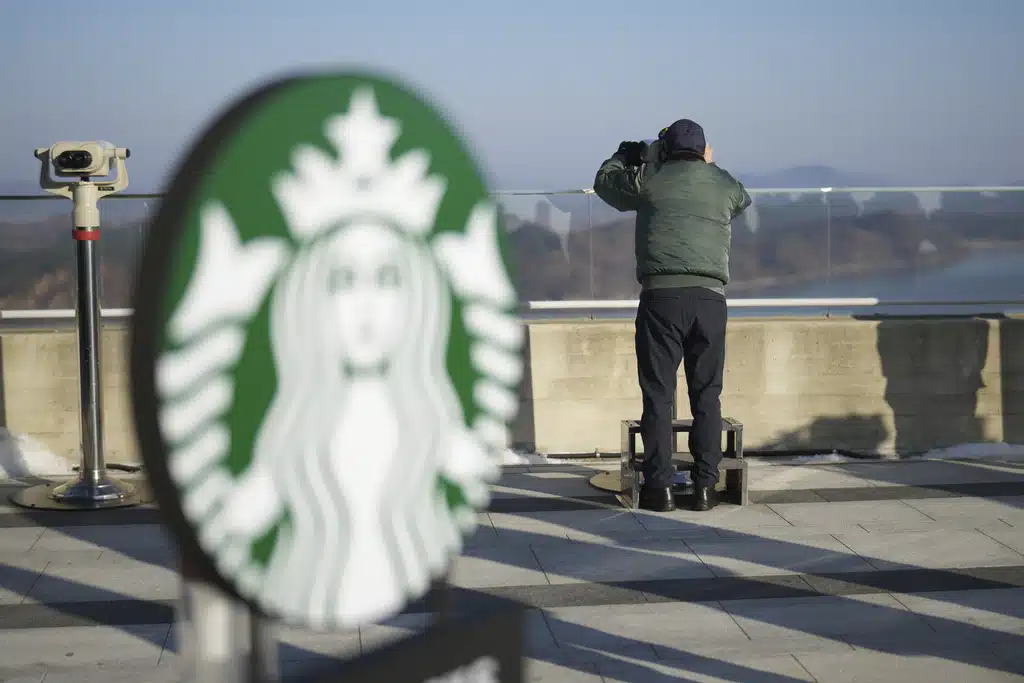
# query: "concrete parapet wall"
[797,384]
[39,372]
[904,385]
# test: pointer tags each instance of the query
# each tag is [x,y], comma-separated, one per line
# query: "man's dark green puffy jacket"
[684,209]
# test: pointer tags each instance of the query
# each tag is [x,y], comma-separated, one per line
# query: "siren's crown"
[362,181]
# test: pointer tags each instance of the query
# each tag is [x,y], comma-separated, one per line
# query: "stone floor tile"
[544,484]
[961,646]
[33,674]
[785,534]
[484,534]
[640,561]
[115,672]
[86,584]
[1011,654]
[965,523]
[496,565]
[761,557]
[105,537]
[988,510]
[559,670]
[81,645]
[824,616]
[754,649]
[538,527]
[706,670]
[878,667]
[65,558]
[625,629]
[931,549]
[972,611]
[1012,537]
[158,556]
[748,519]
[19,539]
[18,573]
[845,515]
[644,536]
[302,645]
[537,634]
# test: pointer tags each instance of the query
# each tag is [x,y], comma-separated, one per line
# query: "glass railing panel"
[125,225]
[37,252]
[780,244]
[936,246]
[550,243]
[614,260]
[927,246]
[37,255]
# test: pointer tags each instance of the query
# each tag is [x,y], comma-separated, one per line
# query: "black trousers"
[684,324]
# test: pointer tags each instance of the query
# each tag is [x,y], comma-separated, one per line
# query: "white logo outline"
[360,203]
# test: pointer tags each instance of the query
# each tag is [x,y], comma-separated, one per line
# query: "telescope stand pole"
[264,665]
[439,601]
[220,639]
[212,630]
[93,489]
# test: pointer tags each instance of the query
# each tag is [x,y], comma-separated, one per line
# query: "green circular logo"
[325,351]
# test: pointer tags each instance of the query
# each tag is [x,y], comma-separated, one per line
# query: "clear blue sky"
[921,91]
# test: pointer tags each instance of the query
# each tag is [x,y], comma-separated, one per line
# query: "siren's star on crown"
[363,181]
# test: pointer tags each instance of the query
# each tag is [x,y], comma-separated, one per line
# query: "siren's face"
[368,290]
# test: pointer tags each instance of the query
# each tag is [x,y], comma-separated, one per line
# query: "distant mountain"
[813,176]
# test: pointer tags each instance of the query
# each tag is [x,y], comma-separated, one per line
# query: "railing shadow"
[1011,354]
[576,654]
[934,402]
[952,474]
[861,582]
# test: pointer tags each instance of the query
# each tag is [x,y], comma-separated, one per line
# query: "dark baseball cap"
[684,137]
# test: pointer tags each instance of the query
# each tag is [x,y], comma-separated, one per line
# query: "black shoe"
[704,498]
[657,499]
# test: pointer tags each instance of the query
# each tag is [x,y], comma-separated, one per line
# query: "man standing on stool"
[684,207]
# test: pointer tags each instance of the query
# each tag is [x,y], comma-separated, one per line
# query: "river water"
[989,274]
[985,275]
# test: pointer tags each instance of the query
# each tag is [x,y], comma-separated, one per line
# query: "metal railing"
[817,250]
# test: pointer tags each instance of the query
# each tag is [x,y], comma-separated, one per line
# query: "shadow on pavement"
[571,650]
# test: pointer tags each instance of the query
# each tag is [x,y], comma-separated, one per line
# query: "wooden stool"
[733,464]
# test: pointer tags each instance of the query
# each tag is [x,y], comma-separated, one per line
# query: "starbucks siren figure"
[362,321]
[369,418]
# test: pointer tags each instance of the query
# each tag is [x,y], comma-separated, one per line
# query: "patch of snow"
[816,459]
[977,451]
[967,451]
[23,456]
[512,457]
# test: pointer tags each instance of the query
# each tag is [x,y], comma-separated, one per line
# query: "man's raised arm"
[740,197]
[742,200]
[618,180]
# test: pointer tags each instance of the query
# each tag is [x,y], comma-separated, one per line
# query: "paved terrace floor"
[837,573]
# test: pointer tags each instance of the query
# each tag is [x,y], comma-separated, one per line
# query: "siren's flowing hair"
[303,575]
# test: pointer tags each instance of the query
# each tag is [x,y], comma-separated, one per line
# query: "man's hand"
[633,152]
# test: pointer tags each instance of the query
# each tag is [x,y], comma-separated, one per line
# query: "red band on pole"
[86,235]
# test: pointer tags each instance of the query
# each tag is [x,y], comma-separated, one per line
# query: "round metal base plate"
[77,495]
[607,481]
[612,481]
